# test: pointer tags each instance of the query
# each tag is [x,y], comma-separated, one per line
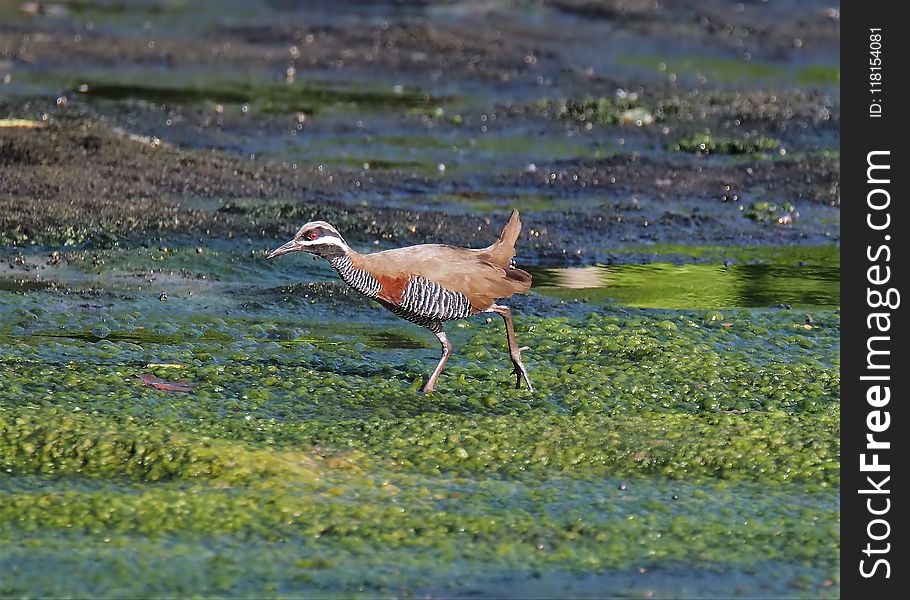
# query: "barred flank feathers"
[427,298]
[430,323]
[358,279]
[424,302]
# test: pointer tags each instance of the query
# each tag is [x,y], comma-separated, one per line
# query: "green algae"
[255,93]
[436,114]
[599,111]
[432,531]
[704,143]
[78,445]
[598,373]
[766,212]
[819,75]
[664,285]
[305,461]
[315,470]
[423,154]
[822,256]
[727,71]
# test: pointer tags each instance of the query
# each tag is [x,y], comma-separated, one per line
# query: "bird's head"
[316,237]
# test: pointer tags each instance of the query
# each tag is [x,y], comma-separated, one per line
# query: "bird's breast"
[393,289]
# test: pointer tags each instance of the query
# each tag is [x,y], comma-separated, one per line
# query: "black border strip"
[861,249]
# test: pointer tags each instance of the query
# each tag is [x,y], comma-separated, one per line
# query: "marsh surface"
[677,172]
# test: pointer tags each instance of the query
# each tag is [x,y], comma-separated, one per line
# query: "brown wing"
[457,269]
[502,251]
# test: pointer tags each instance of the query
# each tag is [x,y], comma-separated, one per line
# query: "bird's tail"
[502,251]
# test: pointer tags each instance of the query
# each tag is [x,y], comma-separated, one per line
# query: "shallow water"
[720,428]
[662,285]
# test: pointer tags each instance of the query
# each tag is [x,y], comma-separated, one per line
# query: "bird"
[429,284]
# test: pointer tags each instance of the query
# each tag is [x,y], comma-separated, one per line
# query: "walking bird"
[430,283]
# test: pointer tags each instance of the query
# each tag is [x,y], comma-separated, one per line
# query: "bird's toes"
[516,354]
[521,374]
[522,377]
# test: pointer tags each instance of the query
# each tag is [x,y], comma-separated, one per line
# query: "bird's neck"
[359,279]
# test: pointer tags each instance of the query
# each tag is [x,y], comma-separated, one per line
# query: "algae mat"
[676,452]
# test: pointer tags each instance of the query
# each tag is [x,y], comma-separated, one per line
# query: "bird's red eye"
[312,235]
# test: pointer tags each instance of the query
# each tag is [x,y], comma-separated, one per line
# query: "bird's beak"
[292,246]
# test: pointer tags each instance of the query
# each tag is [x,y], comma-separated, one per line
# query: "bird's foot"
[520,371]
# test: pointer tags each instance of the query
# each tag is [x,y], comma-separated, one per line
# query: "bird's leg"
[446,353]
[514,351]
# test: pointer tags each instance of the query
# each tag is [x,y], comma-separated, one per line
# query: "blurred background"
[676,165]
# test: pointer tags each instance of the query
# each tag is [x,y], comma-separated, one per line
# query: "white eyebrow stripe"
[329,239]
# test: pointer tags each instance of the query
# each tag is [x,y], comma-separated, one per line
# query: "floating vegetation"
[261,96]
[600,111]
[317,455]
[705,143]
[436,113]
[722,70]
[767,212]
